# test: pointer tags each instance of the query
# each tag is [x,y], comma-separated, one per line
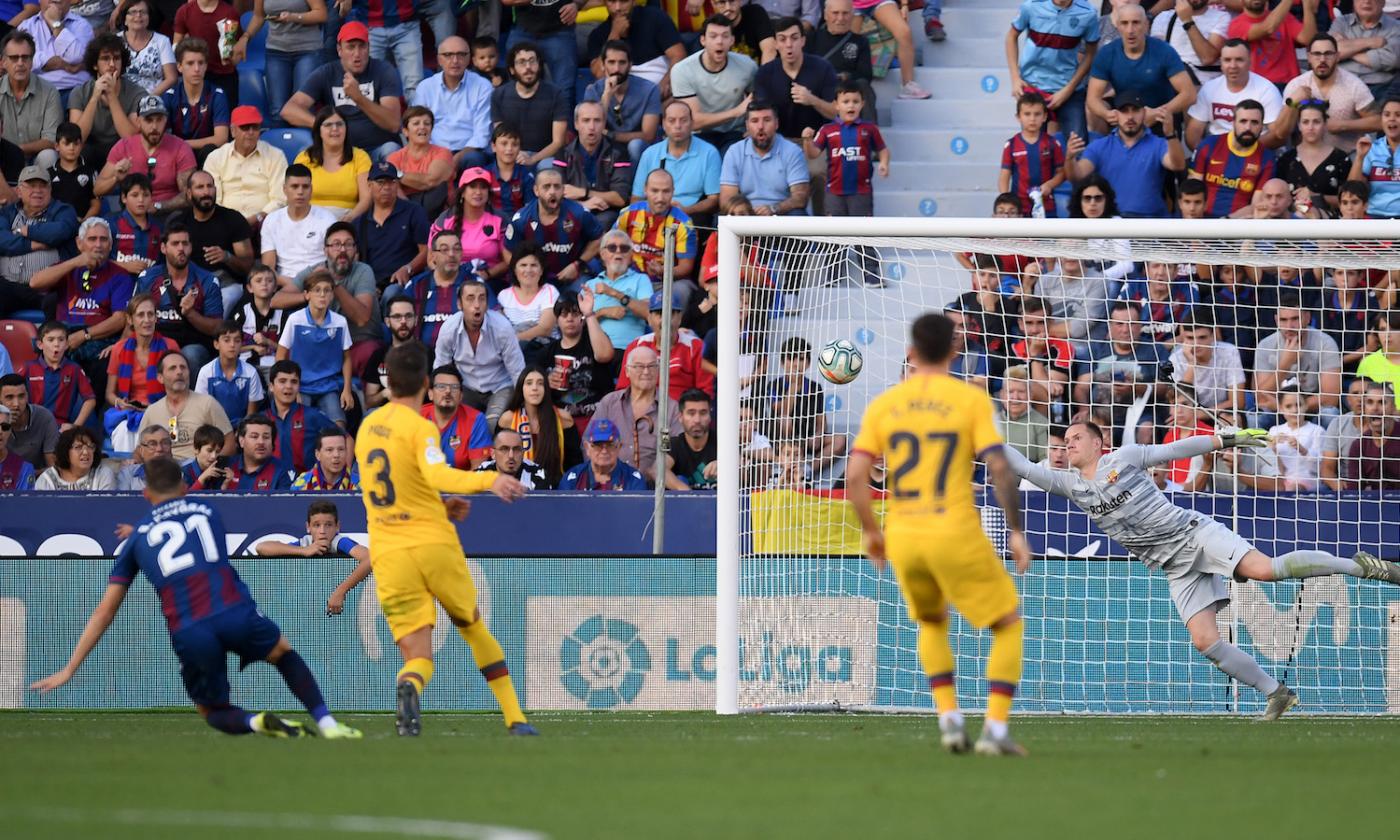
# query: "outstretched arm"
[97,625]
[1051,481]
[1151,456]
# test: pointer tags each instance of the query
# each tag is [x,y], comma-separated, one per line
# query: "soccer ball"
[840,361]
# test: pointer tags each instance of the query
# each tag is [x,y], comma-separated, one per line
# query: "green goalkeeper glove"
[1244,437]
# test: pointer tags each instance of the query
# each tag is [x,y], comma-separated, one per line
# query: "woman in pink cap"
[481,229]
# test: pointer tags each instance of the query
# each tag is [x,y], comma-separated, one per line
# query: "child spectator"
[323,538]
[485,57]
[262,325]
[1298,442]
[1189,474]
[851,145]
[1032,161]
[58,383]
[208,470]
[334,468]
[232,382]
[318,340]
[1352,199]
[135,232]
[514,185]
[73,176]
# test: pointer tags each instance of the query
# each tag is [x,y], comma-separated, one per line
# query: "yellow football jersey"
[929,429]
[402,474]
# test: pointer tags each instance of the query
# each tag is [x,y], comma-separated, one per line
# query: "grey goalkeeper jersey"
[1122,498]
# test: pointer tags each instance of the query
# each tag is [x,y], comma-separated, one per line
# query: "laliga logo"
[604,662]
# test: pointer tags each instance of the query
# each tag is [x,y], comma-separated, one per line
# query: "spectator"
[892,18]
[1076,293]
[394,231]
[1347,313]
[541,425]
[318,340]
[61,40]
[528,303]
[167,160]
[540,112]
[1062,39]
[632,105]
[694,166]
[1383,364]
[189,305]
[459,107]
[152,56]
[1374,164]
[768,170]
[334,469]
[686,359]
[216,23]
[1142,64]
[1214,109]
[1125,367]
[646,223]
[339,172]
[1192,474]
[1164,300]
[650,40]
[262,324]
[322,537]
[1234,308]
[753,32]
[483,346]
[401,319]
[181,410]
[1021,425]
[394,28]
[154,442]
[73,175]
[1274,200]
[1135,161]
[1272,36]
[621,293]
[248,172]
[513,182]
[57,383]
[136,235]
[547,27]
[1233,165]
[200,111]
[970,358]
[1314,168]
[133,379]
[801,88]
[424,169]
[78,464]
[298,424]
[597,172]
[1048,357]
[464,431]
[1351,108]
[1343,431]
[35,233]
[1375,456]
[797,406]
[581,356]
[693,462]
[1196,30]
[293,43]
[847,51]
[256,469]
[289,234]
[603,469]
[355,296]
[716,84]
[1300,358]
[565,231]
[1368,43]
[479,231]
[29,108]
[434,293]
[104,105]
[1032,161]
[485,60]
[508,458]
[34,431]
[1298,443]
[634,408]
[234,383]
[1211,367]
[221,238]
[371,107]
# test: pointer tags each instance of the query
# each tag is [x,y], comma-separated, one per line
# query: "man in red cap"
[366,92]
[248,172]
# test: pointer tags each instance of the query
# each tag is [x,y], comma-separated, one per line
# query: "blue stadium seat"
[33,316]
[252,90]
[257,48]
[290,140]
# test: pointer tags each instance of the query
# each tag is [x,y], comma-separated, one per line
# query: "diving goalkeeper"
[1193,549]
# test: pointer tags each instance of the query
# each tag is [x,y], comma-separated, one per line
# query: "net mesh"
[1155,339]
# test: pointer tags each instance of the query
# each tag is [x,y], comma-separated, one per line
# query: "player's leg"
[408,608]
[416,648]
[302,683]
[929,611]
[1003,675]
[204,671]
[1303,563]
[1198,597]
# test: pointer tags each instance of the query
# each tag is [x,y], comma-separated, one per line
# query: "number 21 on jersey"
[170,536]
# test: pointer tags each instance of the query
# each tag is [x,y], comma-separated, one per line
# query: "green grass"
[634,775]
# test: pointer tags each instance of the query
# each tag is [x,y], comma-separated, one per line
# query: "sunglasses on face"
[617,249]
[1092,198]
[5,427]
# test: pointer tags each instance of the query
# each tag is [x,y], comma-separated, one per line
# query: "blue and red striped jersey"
[1030,165]
[295,447]
[179,546]
[130,240]
[265,479]
[465,436]
[562,240]
[434,303]
[61,390]
[381,13]
[850,155]
[1231,173]
[509,197]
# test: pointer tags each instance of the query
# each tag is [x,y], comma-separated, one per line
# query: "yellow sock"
[492,662]
[936,656]
[417,671]
[1003,670]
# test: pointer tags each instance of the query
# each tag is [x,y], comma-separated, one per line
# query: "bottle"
[1037,204]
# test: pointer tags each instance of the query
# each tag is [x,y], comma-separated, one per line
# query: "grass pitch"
[634,775]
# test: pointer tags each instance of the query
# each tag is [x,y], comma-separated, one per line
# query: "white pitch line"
[343,823]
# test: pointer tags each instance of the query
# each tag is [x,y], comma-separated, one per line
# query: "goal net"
[1157,330]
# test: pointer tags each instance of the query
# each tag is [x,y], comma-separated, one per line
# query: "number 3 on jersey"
[384,496]
[908,450]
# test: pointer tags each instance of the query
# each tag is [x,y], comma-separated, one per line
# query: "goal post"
[803,622]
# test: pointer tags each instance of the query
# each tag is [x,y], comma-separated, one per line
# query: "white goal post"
[803,624]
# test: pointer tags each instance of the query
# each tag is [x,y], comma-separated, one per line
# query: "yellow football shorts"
[409,580]
[942,570]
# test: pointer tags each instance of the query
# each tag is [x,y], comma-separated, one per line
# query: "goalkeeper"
[1194,550]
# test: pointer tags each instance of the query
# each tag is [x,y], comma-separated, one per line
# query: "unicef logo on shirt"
[604,662]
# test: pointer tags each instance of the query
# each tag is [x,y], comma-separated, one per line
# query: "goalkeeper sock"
[936,655]
[1240,665]
[485,649]
[302,682]
[1306,564]
[1003,673]
[416,671]
[231,719]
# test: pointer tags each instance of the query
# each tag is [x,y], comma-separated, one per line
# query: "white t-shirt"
[299,245]
[1291,461]
[1215,103]
[1346,99]
[523,315]
[1214,20]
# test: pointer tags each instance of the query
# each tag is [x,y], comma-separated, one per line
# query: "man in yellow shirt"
[930,429]
[415,552]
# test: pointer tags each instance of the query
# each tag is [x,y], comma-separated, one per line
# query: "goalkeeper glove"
[1244,437]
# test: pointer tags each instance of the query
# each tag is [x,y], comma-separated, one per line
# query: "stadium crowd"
[220,279]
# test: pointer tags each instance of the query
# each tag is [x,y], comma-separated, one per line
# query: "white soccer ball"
[840,361]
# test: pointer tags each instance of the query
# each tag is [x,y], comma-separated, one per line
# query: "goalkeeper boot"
[954,736]
[1283,699]
[1374,568]
[409,720]
[336,732]
[266,723]
[988,745]
[523,728]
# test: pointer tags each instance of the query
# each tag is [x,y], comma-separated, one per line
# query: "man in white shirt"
[1196,30]
[461,104]
[1214,109]
[292,237]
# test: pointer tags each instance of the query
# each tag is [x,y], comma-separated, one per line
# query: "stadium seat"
[18,339]
[33,316]
[256,59]
[252,90]
[290,140]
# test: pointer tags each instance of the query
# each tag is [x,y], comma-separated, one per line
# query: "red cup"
[564,364]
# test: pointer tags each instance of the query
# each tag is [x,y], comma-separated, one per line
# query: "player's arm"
[1007,485]
[336,602]
[97,625]
[861,497]
[445,479]
[1190,447]
[1051,481]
